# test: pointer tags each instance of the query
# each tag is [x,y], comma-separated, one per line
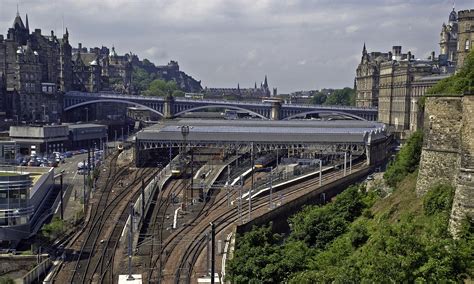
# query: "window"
[467,44]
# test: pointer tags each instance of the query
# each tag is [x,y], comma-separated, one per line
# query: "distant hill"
[145,72]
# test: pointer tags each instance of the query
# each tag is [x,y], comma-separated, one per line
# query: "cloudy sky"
[299,44]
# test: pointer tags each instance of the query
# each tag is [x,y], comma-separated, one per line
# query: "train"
[264,161]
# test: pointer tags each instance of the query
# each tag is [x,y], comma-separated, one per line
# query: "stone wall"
[441,145]
[448,152]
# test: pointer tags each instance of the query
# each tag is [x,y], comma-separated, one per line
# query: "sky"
[298,44]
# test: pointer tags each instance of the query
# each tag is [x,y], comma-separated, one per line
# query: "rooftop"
[264,131]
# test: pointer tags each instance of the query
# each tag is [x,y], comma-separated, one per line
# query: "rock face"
[448,152]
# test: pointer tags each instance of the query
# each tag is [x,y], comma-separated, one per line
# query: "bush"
[54,228]
[438,199]
[359,234]
[406,161]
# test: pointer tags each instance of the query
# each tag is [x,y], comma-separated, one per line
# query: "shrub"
[438,199]
[406,161]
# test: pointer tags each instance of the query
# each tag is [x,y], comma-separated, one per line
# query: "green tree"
[438,199]
[345,97]
[257,258]
[318,98]
[406,161]
[162,88]
[55,228]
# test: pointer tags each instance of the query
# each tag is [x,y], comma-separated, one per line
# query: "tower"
[465,35]
[448,38]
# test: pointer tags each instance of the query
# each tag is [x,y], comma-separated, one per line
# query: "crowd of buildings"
[395,81]
[241,93]
[36,69]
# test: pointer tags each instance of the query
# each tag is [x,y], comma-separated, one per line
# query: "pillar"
[275,113]
[168,107]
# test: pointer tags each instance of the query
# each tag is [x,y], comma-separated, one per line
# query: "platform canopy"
[262,134]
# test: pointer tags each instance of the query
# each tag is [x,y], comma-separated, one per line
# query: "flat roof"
[85,125]
[265,131]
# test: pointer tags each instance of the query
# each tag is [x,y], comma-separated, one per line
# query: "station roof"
[265,131]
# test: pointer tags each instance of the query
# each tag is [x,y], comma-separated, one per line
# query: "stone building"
[247,93]
[449,39]
[465,35]
[367,78]
[101,69]
[395,91]
[395,81]
[87,73]
[36,69]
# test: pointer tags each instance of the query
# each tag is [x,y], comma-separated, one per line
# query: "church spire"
[17,10]
[265,84]
[364,50]
[26,23]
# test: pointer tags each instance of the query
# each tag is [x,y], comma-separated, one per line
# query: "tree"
[162,88]
[406,161]
[345,97]
[318,98]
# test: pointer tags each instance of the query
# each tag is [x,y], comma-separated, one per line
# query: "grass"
[401,201]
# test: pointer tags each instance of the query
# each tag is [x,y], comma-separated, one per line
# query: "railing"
[34,275]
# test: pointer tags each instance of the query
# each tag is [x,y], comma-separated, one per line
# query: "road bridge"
[170,107]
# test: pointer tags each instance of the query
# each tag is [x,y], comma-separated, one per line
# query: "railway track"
[154,225]
[183,235]
[227,217]
[106,217]
[105,271]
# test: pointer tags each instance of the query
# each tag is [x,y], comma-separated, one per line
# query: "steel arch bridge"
[173,107]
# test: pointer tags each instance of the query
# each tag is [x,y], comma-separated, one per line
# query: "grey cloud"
[212,39]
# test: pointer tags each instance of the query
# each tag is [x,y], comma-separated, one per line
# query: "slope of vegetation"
[361,237]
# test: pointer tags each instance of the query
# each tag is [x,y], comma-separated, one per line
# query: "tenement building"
[36,69]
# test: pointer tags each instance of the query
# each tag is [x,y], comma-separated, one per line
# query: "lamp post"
[87,114]
[185,133]
[61,187]
[271,188]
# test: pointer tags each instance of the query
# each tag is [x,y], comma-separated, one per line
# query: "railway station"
[313,137]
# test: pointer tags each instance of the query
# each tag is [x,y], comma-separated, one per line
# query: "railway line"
[224,217]
[153,229]
[98,241]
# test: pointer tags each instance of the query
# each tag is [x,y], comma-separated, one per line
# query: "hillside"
[364,236]
[145,72]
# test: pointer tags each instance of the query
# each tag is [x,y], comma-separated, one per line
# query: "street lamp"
[185,133]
